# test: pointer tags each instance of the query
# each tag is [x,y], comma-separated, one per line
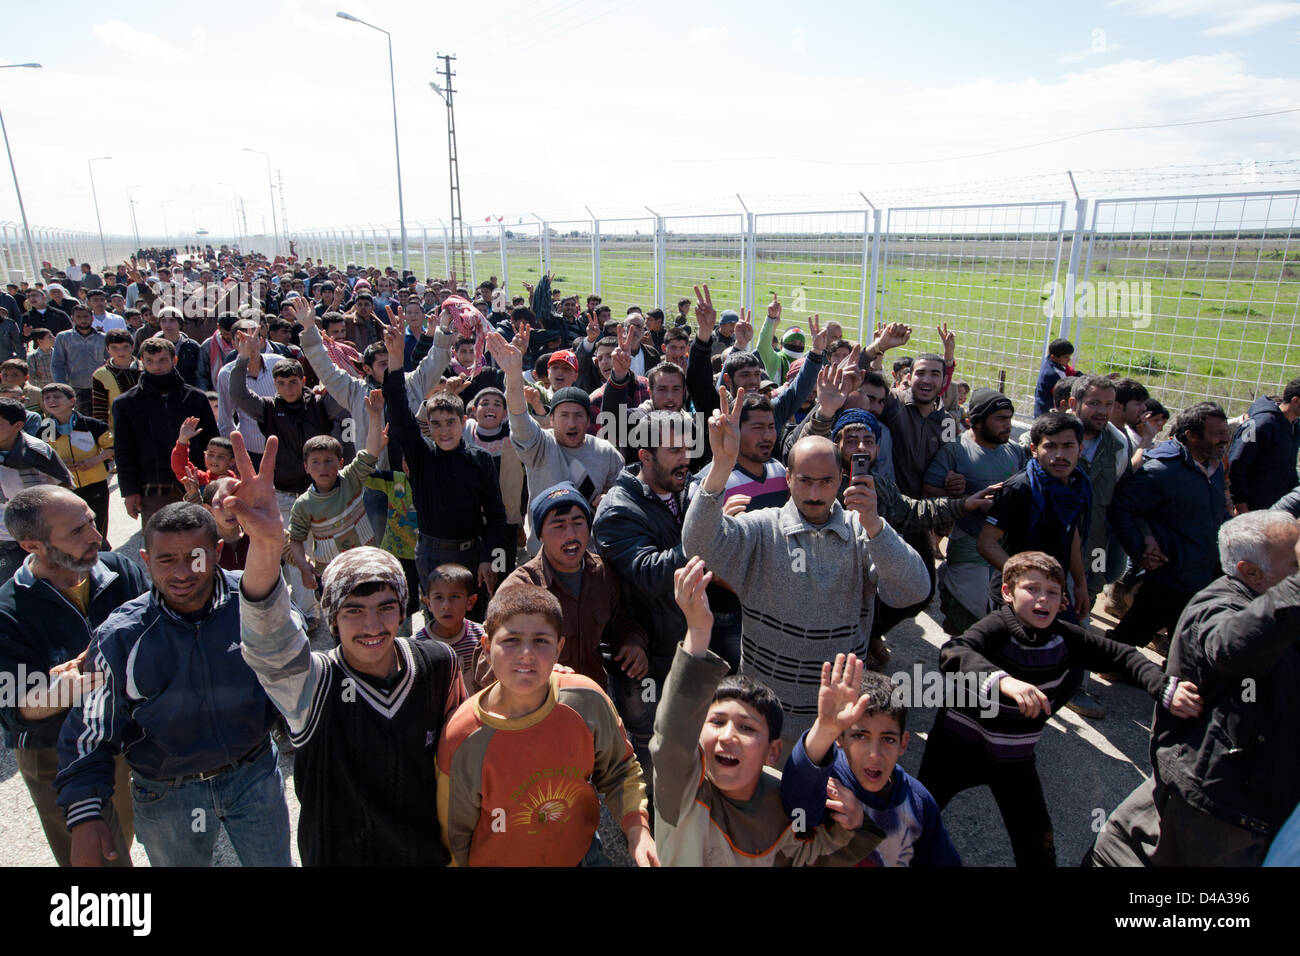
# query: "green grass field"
[1215,327]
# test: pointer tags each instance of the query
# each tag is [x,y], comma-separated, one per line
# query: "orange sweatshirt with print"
[523,791]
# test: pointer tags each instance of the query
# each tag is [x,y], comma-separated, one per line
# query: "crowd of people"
[486,562]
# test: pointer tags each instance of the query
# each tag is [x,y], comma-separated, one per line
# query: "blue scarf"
[1071,503]
[69,428]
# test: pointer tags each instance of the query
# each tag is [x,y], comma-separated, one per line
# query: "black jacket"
[640,538]
[146,421]
[292,424]
[40,628]
[1240,760]
[1183,508]
[1262,456]
[56,320]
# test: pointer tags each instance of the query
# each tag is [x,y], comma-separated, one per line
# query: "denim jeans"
[178,824]
[725,641]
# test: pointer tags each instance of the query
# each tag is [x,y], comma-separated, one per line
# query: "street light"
[130,202]
[271,190]
[93,195]
[27,232]
[392,82]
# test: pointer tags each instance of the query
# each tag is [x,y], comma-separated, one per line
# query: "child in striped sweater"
[1036,661]
[332,511]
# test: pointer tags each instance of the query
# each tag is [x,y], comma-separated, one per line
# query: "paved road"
[1087,767]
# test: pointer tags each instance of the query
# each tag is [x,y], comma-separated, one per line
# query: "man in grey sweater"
[565,452]
[806,573]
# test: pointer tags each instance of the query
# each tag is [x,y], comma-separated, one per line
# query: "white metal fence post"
[661,259]
[595,256]
[1072,270]
[873,282]
[505,261]
[473,272]
[424,245]
[749,258]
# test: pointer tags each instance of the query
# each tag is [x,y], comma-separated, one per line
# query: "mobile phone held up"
[860,468]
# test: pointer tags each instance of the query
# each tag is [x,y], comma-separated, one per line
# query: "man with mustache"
[812,554]
[64,589]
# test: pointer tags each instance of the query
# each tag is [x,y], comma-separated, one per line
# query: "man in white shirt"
[260,382]
[101,319]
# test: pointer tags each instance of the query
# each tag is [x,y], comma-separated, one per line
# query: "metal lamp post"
[392,82]
[270,186]
[95,196]
[27,232]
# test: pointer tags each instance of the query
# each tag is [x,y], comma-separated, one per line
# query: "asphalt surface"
[1087,767]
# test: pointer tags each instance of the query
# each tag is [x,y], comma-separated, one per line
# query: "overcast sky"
[617,104]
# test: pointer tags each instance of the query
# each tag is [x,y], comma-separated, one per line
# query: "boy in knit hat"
[364,717]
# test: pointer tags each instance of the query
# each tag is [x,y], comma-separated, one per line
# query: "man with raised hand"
[365,717]
[826,559]
[565,452]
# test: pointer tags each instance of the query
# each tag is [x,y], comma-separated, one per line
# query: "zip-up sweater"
[292,423]
[40,627]
[806,591]
[177,699]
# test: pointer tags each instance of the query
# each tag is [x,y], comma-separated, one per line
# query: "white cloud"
[708,36]
[127,39]
[1233,19]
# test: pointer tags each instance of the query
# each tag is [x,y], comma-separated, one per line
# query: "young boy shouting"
[332,511]
[857,738]
[1036,661]
[520,763]
[717,802]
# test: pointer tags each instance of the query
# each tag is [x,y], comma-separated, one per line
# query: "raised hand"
[949,340]
[622,357]
[375,403]
[744,333]
[251,499]
[774,309]
[892,336]
[508,358]
[820,335]
[839,703]
[690,584]
[394,344]
[724,429]
[189,428]
[534,399]
[246,344]
[706,317]
[831,391]
[303,313]
[593,328]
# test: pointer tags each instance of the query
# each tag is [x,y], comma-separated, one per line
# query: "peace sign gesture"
[622,357]
[744,333]
[949,340]
[724,430]
[705,315]
[819,335]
